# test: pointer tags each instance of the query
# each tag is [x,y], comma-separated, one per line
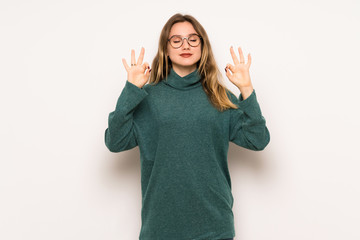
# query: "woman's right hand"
[136,73]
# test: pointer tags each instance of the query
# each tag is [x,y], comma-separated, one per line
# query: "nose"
[186,43]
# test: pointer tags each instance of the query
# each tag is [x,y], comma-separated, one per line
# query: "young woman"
[183,121]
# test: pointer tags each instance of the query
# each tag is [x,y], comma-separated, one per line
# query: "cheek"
[171,53]
[199,54]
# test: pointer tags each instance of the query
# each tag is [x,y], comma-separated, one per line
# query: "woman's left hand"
[239,75]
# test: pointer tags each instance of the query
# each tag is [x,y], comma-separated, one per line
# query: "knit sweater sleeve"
[247,126]
[120,134]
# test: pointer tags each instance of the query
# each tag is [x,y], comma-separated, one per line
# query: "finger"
[141,57]
[234,57]
[241,56]
[146,66]
[228,74]
[126,65]
[231,67]
[249,60]
[132,56]
[147,74]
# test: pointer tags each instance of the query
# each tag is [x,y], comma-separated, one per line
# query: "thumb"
[231,67]
[148,72]
[146,65]
[228,74]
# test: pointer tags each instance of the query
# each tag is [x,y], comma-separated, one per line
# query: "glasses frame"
[187,39]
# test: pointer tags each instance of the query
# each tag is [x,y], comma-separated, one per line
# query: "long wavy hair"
[211,78]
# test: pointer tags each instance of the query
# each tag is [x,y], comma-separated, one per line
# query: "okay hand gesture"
[239,75]
[136,73]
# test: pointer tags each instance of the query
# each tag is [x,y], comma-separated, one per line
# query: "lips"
[186,55]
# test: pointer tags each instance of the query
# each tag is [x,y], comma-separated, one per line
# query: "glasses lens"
[194,40]
[175,41]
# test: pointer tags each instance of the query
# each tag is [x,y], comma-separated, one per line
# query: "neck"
[184,70]
[192,80]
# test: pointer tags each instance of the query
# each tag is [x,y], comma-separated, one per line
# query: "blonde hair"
[212,80]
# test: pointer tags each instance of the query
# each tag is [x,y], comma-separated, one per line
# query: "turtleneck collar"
[189,81]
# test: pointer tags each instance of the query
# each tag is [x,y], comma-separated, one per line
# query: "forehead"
[182,29]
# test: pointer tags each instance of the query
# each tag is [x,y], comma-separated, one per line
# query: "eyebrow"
[182,35]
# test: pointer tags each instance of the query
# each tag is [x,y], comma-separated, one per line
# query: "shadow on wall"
[241,159]
[121,168]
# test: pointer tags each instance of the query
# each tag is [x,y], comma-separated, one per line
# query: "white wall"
[61,74]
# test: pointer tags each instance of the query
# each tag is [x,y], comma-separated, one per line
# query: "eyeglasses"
[193,40]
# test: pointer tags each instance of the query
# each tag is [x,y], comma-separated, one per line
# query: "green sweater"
[183,142]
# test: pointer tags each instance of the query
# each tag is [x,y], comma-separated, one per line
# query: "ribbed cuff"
[248,101]
[250,104]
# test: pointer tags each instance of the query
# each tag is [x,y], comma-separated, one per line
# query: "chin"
[186,64]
